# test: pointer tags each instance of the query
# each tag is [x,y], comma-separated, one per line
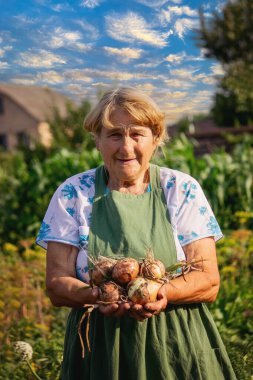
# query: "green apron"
[182,343]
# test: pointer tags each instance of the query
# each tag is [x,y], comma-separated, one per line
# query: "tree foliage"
[228,37]
[69,132]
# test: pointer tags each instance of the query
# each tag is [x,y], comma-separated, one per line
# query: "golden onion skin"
[102,271]
[142,290]
[153,269]
[125,270]
[109,292]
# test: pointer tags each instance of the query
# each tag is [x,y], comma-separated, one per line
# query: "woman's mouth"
[125,160]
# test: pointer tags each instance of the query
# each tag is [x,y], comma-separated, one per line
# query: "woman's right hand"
[127,308]
[115,309]
[63,288]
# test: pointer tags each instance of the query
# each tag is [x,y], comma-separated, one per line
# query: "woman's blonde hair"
[140,106]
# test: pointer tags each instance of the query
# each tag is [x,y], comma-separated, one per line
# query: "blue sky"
[82,47]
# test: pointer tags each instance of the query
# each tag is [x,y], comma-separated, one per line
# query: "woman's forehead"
[120,116]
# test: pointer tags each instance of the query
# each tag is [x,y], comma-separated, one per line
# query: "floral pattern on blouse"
[69,192]
[44,231]
[69,213]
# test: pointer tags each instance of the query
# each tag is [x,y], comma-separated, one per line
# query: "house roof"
[39,102]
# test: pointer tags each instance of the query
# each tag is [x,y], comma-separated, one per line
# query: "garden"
[27,182]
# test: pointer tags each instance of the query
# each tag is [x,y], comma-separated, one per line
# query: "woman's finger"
[135,315]
[108,310]
[157,306]
[122,310]
[139,309]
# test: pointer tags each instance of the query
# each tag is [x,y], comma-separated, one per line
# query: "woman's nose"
[126,144]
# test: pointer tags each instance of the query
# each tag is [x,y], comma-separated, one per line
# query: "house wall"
[14,120]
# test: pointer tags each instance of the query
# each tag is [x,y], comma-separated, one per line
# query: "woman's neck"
[135,186]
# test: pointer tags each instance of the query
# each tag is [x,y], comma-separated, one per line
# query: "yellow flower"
[10,248]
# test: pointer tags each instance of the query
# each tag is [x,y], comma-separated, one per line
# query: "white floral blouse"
[68,216]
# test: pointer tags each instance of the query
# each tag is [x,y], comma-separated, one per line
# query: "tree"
[68,132]
[228,37]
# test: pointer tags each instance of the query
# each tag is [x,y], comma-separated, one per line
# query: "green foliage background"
[27,182]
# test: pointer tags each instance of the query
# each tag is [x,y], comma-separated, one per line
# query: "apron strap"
[101,178]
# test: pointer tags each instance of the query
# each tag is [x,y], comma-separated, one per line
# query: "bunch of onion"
[102,269]
[111,276]
[143,290]
[151,268]
[125,270]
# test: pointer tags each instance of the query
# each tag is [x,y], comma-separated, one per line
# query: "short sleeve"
[60,221]
[194,217]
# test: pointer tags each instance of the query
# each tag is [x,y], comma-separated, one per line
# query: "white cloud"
[175,58]
[77,75]
[42,58]
[64,38]
[185,78]
[3,65]
[125,54]
[186,73]
[61,7]
[89,28]
[24,81]
[50,77]
[150,64]
[8,47]
[183,25]
[178,83]
[4,49]
[152,3]
[100,84]
[23,19]
[157,3]
[176,94]
[134,28]
[209,80]
[167,15]
[184,10]
[78,92]
[203,94]
[146,86]
[90,3]
[182,57]
[113,75]
[217,69]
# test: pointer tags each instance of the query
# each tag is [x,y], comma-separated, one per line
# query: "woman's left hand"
[115,309]
[161,303]
[142,312]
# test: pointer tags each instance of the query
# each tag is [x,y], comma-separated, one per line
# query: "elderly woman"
[121,208]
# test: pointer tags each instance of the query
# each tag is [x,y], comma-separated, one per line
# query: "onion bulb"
[153,269]
[109,292]
[125,270]
[142,290]
[102,270]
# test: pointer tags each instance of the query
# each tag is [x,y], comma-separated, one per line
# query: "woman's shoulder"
[172,178]
[81,180]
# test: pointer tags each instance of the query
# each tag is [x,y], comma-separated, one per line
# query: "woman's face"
[127,148]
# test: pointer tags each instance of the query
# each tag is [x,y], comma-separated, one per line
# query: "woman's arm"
[198,286]
[195,286]
[63,288]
